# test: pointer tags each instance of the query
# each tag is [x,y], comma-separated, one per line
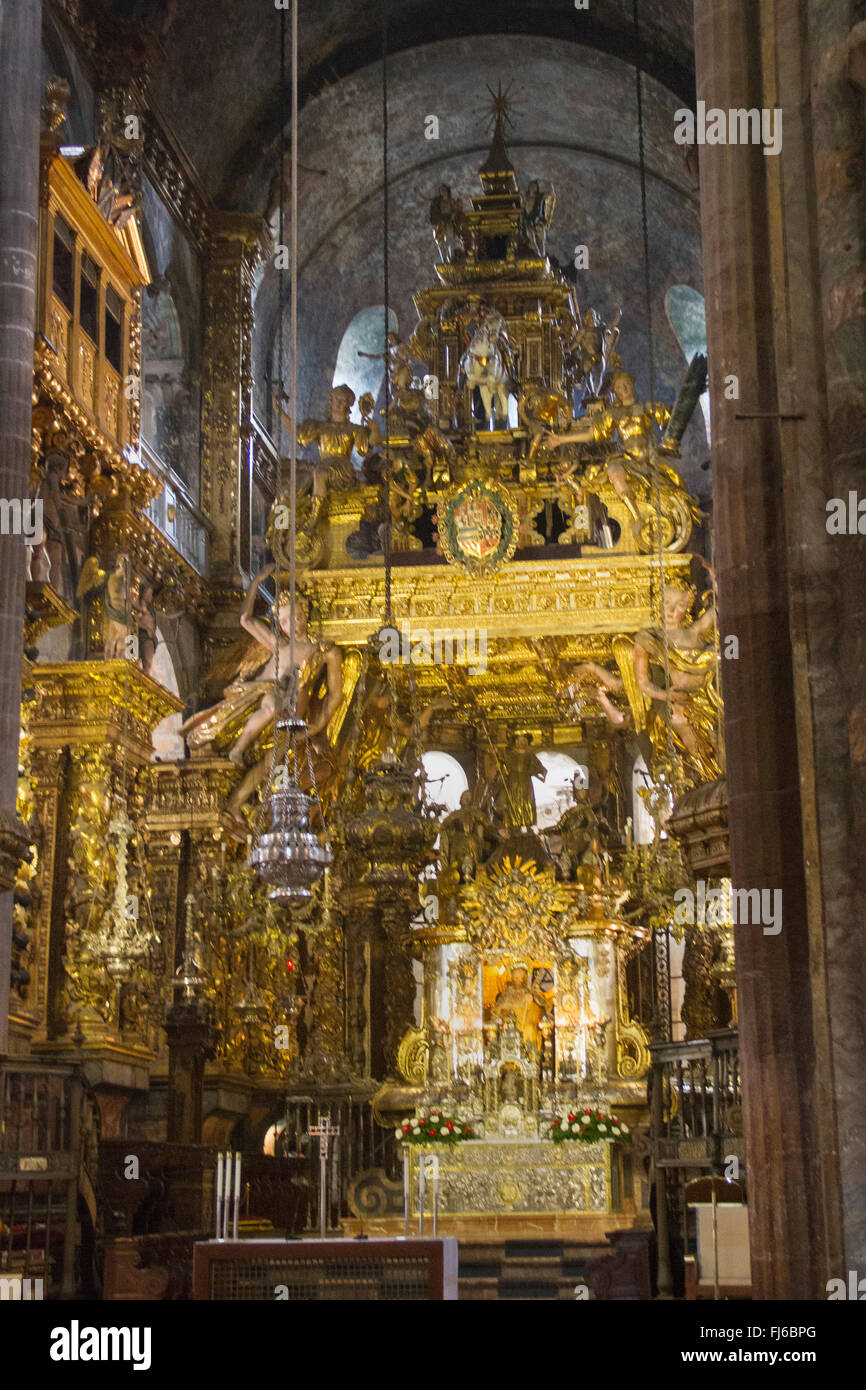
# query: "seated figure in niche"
[519,1000]
[466,838]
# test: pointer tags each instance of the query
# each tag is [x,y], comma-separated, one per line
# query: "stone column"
[189,1028]
[837,709]
[20,57]
[783,279]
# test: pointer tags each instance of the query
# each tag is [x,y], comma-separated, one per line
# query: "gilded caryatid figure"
[693,708]
[251,695]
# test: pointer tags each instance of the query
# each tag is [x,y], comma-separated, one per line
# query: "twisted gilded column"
[20,63]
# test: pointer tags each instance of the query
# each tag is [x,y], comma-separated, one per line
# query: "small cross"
[324,1131]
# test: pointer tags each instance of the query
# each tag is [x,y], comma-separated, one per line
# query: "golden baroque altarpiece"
[543,599]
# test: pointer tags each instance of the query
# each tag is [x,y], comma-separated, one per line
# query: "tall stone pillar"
[783,279]
[20,59]
[189,1029]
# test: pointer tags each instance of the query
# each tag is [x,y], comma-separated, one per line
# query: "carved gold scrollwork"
[633,1057]
[413,1056]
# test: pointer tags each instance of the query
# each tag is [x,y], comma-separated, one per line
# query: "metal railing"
[175,514]
[696,1127]
[697,1101]
[362,1145]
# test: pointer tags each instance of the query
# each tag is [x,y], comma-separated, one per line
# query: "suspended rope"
[651,364]
[289,856]
[387,530]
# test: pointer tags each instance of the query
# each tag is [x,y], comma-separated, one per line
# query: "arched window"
[446,780]
[642,820]
[554,795]
[688,318]
[366,333]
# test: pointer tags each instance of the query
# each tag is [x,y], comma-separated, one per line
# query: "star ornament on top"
[501,105]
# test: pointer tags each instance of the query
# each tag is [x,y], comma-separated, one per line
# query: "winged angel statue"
[693,712]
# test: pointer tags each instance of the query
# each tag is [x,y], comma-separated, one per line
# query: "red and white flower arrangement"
[433,1128]
[589,1127]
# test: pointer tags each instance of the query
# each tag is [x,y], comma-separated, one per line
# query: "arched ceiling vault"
[219,81]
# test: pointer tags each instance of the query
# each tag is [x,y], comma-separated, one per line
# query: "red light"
[290,965]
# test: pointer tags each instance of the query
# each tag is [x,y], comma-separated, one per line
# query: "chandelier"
[289,856]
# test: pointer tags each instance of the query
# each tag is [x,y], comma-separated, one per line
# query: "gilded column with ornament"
[235,248]
[100,972]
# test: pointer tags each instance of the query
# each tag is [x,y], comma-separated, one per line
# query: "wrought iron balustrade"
[361,1145]
[697,1101]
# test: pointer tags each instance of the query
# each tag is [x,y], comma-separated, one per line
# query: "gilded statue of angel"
[247,706]
[536,215]
[633,428]
[694,707]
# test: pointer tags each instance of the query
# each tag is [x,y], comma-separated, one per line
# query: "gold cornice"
[46,609]
[592,594]
[98,702]
[191,796]
[442,934]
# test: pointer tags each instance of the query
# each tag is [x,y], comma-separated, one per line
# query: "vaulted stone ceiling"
[216,82]
[221,57]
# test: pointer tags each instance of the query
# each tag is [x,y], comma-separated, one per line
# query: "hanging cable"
[651,364]
[387,532]
[386,276]
[289,855]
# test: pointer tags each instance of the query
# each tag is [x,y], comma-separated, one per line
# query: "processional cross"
[324,1131]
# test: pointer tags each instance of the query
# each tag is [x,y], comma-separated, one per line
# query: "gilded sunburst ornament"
[513,907]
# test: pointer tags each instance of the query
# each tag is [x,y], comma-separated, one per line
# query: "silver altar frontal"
[516,1177]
